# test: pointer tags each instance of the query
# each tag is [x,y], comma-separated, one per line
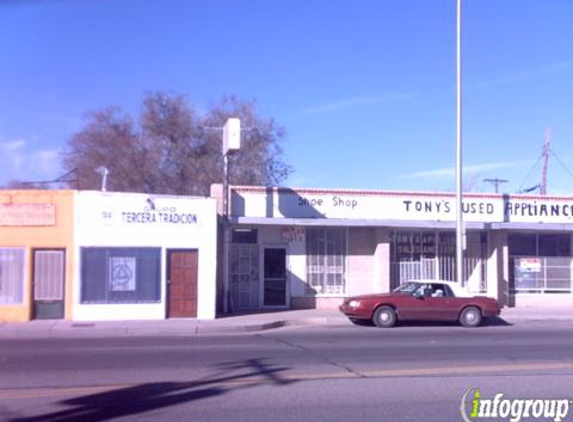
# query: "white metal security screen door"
[244,277]
[49,270]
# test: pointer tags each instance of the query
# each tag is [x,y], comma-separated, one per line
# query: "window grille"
[11,276]
[48,275]
[120,275]
[326,258]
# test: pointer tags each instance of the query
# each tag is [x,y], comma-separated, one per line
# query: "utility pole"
[460,235]
[496,182]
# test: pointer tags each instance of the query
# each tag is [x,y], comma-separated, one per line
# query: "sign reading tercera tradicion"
[308,203]
[27,215]
[138,210]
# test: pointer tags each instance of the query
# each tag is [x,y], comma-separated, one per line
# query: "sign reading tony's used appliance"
[402,206]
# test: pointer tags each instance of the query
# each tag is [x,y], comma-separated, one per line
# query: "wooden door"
[182,279]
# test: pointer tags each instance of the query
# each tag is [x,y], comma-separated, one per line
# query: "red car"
[425,300]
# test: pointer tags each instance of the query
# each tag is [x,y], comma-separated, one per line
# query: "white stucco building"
[307,248]
[144,256]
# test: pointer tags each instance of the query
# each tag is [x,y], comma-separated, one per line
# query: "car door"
[439,304]
[426,304]
[414,306]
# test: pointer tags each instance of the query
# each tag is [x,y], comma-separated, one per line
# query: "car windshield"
[407,288]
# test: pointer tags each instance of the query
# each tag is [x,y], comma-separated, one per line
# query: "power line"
[496,182]
[527,177]
[562,164]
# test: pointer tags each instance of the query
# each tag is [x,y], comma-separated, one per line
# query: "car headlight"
[354,303]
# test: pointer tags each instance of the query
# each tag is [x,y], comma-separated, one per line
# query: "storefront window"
[540,263]
[429,255]
[326,256]
[244,236]
[120,275]
[539,244]
[11,276]
[414,256]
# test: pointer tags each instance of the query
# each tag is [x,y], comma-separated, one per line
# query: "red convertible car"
[424,300]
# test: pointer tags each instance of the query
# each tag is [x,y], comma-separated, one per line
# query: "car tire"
[384,317]
[470,317]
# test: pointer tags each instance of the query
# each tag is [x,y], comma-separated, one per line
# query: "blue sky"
[365,88]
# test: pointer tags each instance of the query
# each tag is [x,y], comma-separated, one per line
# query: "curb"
[91,329]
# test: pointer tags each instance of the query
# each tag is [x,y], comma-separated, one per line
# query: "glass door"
[275,277]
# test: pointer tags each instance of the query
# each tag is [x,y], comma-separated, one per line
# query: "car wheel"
[384,317]
[470,317]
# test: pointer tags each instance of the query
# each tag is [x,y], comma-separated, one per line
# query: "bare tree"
[174,149]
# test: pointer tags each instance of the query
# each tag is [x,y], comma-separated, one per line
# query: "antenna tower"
[546,152]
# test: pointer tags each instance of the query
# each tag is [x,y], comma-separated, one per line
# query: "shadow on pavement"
[143,398]
[487,322]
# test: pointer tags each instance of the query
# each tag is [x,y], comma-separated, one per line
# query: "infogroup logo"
[475,407]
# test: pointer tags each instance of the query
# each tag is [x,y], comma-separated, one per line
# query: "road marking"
[466,370]
[294,377]
[58,391]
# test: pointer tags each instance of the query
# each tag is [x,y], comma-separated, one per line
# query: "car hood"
[373,296]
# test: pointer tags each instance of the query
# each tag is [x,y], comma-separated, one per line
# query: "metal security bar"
[244,276]
[534,274]
[443,268]
[326,255]
[48,275]
[11,276]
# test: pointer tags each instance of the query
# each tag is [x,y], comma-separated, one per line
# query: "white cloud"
[19,162]
[11,147]
[524,75]
[12,157]
[353,102]
[449,172]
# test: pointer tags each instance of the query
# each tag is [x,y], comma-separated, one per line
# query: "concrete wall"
[498,267]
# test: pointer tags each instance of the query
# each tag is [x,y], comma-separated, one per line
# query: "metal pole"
[459,213]
[225,223]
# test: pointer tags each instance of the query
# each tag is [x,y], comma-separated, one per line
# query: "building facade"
[36,254]
[144,257]
[106,256]
[309,248]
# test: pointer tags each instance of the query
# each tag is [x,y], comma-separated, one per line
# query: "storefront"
[309,248]
[144,257]
[36,254]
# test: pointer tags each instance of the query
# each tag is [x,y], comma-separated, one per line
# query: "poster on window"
[530,265]
[122,274]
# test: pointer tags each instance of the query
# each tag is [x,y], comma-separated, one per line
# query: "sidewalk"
[228,324]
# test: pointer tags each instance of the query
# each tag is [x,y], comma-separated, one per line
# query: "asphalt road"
[408,373]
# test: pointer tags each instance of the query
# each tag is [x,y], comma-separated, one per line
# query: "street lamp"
[459,211]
